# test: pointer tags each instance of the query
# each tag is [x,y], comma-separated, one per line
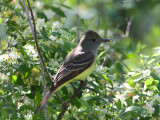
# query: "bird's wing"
[74,66]
[68,71]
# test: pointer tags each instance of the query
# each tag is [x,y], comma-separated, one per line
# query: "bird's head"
[91,40]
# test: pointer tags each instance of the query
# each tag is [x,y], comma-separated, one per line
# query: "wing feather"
[77,64]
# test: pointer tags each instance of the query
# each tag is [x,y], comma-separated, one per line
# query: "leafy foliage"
[125,83]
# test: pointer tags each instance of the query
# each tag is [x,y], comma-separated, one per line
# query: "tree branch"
[43,67]
[78,21]
[38,49]
[75,94]
[128,27]
[37,46]
[58,96]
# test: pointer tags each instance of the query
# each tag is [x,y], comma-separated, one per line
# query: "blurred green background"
[108,14]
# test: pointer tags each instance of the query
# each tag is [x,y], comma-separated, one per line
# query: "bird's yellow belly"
[86,72]
[81,76]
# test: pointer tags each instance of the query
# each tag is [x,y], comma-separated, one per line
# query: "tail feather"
[52,89]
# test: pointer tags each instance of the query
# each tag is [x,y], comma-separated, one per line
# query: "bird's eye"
[93,39]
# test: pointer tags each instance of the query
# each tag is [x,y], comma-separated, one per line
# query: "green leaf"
[99,100]
[94,86]
[63,5]
[155,76]
[23,67]
[156,110]
[118,104]
[4,113]
[90,101]
[100,54]
[104,77]
[26,107]
[65,91]
[149,82]
[56,34]
[129,101]
[134,110]
[19,80]
[72,33]
[158,86]
[58,11]
[46,48]
[107,79]
[131,82]
[76,103]
[0,20]
[14,79]
[143,95]
[67,46]
[42,15]
[119,66]
[84,22]
[37,98]
[44,34]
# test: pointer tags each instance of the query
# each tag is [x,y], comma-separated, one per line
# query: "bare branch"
[78,21]
[58,96]
[38,49]
[75,94]
[128,27]
[121,61]
[29,19]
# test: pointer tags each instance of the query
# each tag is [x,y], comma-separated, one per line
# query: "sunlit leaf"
[0,20]
[133,110]
[148,82]
[14,79]
[94,86]
[100,55]
[118,104]
[37,98]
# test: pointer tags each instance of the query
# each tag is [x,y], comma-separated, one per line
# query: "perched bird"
[78,64]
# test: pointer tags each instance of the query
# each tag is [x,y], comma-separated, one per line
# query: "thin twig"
[123,36]
[75,94]
[128,27]
[78,21]
[58,96]
[29,19]
[38,49]
[99,9]
[42,62]
[121,61]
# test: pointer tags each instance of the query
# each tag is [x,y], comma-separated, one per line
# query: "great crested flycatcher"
[78,64]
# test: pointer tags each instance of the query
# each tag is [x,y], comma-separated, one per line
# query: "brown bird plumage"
[80,59]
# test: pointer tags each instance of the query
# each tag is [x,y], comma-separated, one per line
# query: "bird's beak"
[105,40]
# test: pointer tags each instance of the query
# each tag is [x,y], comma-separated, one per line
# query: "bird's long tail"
[52,90]
[57,85]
